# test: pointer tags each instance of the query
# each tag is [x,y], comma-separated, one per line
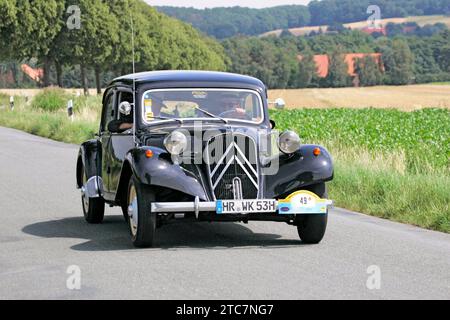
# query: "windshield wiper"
[167,118]
[212,115]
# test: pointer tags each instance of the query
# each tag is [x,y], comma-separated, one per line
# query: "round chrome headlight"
[176,143]
[289,142]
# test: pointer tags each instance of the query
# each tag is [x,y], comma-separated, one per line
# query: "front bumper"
[184,207]
[198,206]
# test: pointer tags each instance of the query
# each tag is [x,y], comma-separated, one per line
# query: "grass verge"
[417,199]
[390,164]
[35,118]
[52,126]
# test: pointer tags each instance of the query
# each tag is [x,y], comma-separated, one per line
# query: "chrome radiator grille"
[232,163]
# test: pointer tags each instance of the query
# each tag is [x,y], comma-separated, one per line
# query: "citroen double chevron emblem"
[234,155]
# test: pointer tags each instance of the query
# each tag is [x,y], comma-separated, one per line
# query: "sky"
[201,4]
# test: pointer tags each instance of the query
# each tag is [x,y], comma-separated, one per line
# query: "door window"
[109,111]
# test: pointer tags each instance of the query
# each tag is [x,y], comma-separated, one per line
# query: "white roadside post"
[70,109]
[11,103]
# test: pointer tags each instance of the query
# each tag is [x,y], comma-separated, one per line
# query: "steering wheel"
[238,115]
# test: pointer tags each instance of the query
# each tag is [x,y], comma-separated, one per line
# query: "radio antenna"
[134,79]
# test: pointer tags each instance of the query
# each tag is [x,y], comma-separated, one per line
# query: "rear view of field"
[405,98]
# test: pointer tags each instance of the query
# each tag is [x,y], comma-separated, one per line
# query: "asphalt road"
[42,233]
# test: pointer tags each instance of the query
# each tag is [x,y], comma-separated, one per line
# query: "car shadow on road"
[113,234]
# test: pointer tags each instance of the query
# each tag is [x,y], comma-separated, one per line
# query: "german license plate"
[245,206]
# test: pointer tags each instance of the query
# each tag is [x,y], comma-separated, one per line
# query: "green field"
[389,163]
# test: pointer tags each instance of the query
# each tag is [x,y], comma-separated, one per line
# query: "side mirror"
[273,124]
[280,104]
[125,108]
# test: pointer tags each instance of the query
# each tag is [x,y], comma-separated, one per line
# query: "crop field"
[389,163]
[420,20]
[405,98]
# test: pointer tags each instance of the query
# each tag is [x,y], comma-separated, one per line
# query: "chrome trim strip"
[221,159]
[222,173]
[245,159]
[246,172]
[197,206]
[237,189]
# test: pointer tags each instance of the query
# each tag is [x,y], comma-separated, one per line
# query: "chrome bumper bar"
[184,207]
[178,207]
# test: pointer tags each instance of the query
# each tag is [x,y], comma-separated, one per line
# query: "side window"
[109,111]
[123,96]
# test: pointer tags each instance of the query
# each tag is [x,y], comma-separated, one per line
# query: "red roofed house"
[10,75]
[351,59]
[369,30]
[35,74]
[322,63]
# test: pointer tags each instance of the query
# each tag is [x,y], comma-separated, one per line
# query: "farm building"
[12,73]
[322,62]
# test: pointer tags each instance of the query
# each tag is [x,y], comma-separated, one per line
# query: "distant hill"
[227,22]
[223,23]
[360,25]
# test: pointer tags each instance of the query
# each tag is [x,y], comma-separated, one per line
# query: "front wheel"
[141,220]
[311,228]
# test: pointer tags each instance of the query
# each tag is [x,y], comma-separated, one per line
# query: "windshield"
[229,104]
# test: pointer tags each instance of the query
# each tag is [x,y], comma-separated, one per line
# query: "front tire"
[93,208]
[311,228]
[140,218]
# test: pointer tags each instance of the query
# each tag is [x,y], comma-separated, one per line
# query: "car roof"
[188,76]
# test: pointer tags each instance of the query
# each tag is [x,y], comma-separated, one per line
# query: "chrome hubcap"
[133,212]
[84,198]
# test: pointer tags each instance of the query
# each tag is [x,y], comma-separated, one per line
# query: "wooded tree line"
[224,23]
[38,29]
[228,22]
[326,12]
[101,49]
[405,59]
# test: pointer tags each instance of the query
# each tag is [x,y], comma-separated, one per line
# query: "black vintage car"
[199,146]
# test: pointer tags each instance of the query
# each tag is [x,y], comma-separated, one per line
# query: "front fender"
[89,157]
[299,170]
[160,171]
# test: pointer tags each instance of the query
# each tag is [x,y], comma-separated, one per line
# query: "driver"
[123,124]
[231,107]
